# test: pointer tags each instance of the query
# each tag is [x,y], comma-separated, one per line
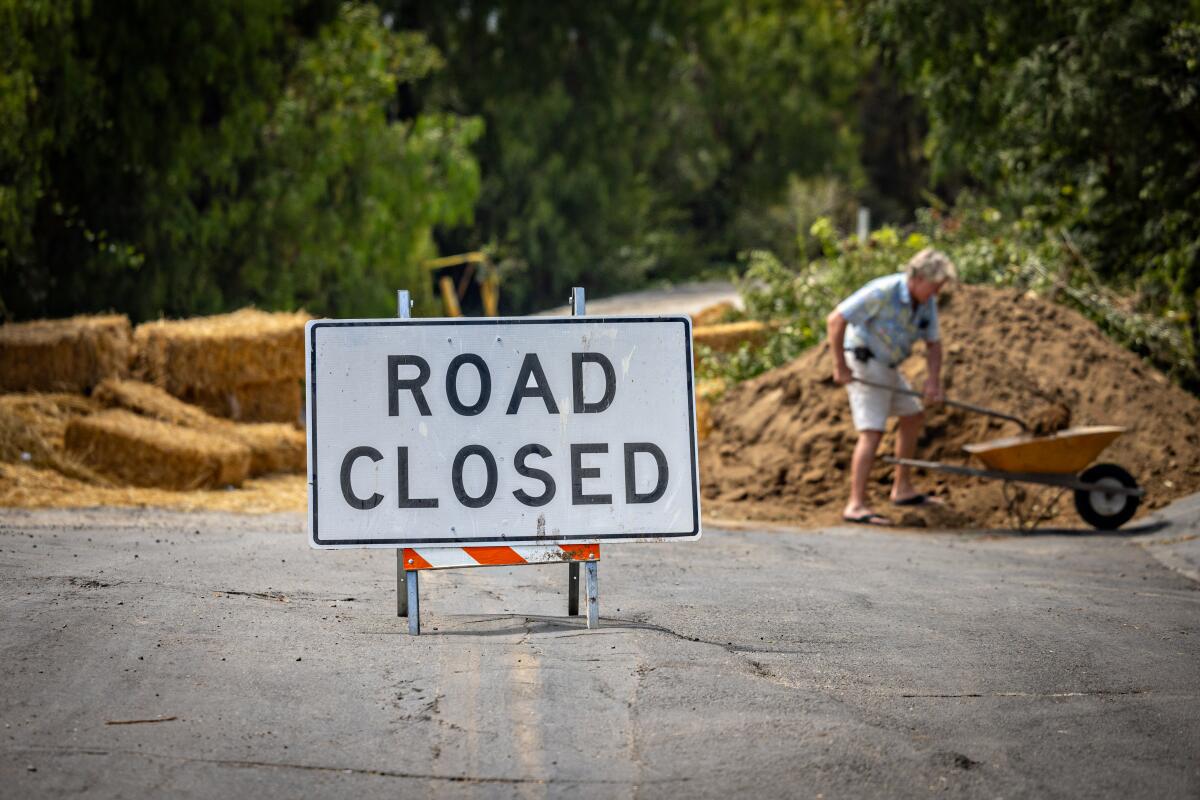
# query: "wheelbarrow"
[1106,496]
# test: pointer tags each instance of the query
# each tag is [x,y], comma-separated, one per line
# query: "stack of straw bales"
[141,451]
[70,355]
[273,446]
[29,426]
[247,365]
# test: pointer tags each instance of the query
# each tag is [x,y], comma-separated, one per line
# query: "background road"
[837,663]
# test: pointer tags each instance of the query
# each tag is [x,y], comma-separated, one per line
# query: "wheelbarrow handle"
[991,412]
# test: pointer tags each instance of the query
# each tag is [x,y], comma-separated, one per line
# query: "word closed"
[500,431]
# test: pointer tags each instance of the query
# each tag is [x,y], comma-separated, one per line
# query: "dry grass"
[221,352]
[271,401]
[63,354]
[24,486]
[140,451]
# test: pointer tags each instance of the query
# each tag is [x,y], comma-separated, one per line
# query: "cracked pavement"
[215,655]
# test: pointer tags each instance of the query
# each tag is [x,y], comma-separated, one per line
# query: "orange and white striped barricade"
[603,406]
[410,562]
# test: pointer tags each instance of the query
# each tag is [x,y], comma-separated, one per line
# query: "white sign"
[500,431]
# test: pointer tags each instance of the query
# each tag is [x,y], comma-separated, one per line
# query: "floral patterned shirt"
[881,317]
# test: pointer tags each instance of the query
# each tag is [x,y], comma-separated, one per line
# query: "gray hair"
[932,265]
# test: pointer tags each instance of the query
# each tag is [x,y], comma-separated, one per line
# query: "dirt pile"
[780,445]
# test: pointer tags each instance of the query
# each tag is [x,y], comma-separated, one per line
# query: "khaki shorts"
[871,407]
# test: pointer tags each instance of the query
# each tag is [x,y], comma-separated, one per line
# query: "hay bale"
[716,314]
[48,413]
[728,337]
[270,401]
[707,393]
[147,452]
[71,355]
[274,447]
[21,442]
[151,401]
[221,352]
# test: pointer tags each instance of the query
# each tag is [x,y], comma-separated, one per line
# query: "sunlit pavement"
[212,655]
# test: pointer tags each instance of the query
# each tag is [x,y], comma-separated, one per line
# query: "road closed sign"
[500,431]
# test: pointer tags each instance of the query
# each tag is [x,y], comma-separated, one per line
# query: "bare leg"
[860,472]
[906,445]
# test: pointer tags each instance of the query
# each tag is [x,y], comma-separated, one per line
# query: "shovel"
[954,403]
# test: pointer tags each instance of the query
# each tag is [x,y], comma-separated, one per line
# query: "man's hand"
[841,373]
[933,392]
[835,326]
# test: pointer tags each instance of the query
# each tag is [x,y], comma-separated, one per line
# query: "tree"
[630,140]
[190,157]
[1083,115]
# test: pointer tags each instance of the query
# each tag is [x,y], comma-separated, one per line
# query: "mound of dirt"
[780,445]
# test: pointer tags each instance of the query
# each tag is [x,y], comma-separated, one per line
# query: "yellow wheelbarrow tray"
[1106,496]
[1067,451]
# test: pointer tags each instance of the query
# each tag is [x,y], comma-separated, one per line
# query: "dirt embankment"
[780,445]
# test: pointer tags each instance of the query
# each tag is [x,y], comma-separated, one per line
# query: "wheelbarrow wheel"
[1103,510]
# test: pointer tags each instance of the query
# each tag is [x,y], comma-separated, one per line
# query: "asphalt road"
[152,653]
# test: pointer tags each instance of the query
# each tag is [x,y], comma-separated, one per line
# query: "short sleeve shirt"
[881,317]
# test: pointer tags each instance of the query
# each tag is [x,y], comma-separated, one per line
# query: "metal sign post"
[408,603]
[500,441]
[404,311]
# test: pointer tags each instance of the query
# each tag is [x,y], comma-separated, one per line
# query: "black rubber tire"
[1102,519]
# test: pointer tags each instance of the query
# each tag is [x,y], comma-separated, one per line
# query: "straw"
[64,354]
[271,401]
[274,447]
[146,452]
[221,352]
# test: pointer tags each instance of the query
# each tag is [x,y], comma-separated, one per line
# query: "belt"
[864,355]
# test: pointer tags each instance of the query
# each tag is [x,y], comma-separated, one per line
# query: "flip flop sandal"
[878,520]
[916,500]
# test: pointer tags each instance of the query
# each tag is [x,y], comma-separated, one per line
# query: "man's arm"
[835,328]
[933,372]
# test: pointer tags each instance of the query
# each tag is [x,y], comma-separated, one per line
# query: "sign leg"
[573,589]
[401,585]
[414,603]
[593,593]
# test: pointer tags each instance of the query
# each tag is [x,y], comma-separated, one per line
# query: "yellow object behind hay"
[272,401]
[146,452]
[274,447]
[22,486]
[70,355]
[221,352]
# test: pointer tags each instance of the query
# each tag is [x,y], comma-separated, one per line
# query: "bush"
[987,248]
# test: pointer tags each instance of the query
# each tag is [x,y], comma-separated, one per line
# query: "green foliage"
[629,141]
[1083,116]
[986,246]
[185,159]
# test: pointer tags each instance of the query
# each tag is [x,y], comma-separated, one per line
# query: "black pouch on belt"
[863,354]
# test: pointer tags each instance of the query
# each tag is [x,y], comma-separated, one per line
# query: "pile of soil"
[780,445]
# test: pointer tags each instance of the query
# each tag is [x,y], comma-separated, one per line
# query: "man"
[870,334]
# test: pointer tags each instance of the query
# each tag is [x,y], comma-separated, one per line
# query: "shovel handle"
[955,403]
